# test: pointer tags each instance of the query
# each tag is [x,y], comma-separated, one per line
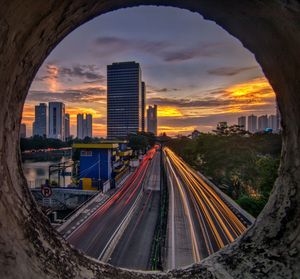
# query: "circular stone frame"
[31,248]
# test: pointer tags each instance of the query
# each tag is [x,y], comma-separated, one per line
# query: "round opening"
[190,83]
[31,247]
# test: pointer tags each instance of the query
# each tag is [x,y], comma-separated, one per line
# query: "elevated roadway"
[200,220]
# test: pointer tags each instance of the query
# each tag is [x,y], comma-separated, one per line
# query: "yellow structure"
[87,184]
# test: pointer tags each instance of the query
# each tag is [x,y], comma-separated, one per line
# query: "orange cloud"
[52,78]
[168,112]
[254,96]
[252,90]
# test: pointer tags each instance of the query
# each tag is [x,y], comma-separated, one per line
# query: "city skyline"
[195,80]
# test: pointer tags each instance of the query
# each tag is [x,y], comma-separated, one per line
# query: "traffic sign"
[46,191]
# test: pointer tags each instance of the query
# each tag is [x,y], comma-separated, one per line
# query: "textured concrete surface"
[30,248]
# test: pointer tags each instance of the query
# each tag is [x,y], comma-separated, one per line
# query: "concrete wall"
[30,248]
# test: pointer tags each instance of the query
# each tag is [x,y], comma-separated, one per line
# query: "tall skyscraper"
[89,125]
[152,119]
[278,117]
[56,120]
[143,105]
[23,131]
[242,122]
[252,123]
[273,123]
[262,123]
[40,120]
[124,107]
[84,126]
[67,126]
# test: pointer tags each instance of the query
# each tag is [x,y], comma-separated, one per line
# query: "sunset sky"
[194,71]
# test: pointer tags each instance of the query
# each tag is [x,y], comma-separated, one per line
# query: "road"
[96,235]
[200,222]
[134,248]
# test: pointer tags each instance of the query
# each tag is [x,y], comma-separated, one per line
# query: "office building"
[84,126]
[67,126]
[242,122]
[143,105]
[56,120]
[263,123]
[252,123]
[124,99]
[23,131]
[152,119]
[40,120]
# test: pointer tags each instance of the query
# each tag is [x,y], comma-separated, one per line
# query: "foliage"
[141,141]
[253,205]
[38,142]
[244,165]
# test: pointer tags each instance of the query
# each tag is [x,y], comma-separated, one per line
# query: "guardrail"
[74,214]
[227,199]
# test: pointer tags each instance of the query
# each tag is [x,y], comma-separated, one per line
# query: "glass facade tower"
[124,99]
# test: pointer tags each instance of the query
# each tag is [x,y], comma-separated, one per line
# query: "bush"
[251,205]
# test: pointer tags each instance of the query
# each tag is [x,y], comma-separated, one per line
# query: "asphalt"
[199,221]
[134,248]
[93,235]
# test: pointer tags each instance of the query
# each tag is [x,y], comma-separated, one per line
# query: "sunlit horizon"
[196,81]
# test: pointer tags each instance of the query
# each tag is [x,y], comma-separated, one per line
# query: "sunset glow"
[179,67]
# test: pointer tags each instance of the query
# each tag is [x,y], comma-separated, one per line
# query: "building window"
[86,153]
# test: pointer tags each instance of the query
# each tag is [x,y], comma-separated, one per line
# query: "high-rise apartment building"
[124,99]
[242,122]
[40,120]
[278,117]
[67,126]
[84,126]
[263,123]
[23,131]
[272,123]
[152,119]
[143,105]
[252,123]
[56,120]
[89,125]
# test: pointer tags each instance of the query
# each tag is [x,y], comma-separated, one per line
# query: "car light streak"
[218,224]
[196,254]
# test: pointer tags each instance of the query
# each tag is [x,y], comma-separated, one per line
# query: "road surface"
[199,221]
[95,234]
[134,248]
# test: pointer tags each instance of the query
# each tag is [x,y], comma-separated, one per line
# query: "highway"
[134,248]
[97,234]
[200,222]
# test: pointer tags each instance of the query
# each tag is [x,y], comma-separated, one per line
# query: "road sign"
[46,191]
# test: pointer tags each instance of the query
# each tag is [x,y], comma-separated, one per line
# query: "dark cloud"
[189,103]
[162,49]
[118,44]
[230,71]
[90,73]
[202,50]
[73,96]
[153,89]
[207,102]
